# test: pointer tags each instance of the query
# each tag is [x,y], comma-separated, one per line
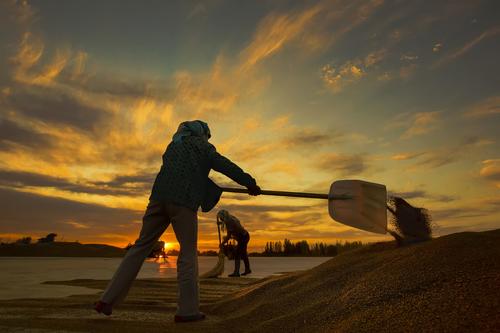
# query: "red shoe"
[103,308]
[187,319]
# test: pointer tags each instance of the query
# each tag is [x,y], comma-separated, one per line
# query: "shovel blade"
[366,208]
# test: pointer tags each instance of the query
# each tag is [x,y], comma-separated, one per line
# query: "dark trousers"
[241,253]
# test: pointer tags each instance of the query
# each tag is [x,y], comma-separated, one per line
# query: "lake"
[22,277]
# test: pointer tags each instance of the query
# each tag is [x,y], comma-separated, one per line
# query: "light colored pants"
[157,218]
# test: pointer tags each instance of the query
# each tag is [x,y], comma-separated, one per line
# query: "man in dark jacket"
[181,186]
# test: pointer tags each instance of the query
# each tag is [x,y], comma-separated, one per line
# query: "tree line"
[50,238]
[289,248]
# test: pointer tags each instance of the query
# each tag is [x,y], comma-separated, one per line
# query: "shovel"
[356,203]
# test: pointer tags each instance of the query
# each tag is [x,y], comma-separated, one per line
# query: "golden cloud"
[488,107]
[338,77]
[422,123]
[273,33]
[405,156]
[491,171]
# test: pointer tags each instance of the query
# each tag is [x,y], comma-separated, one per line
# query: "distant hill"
[60,249]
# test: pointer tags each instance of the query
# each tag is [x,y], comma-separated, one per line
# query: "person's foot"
[103,308]
[246,272]
[234,275]
[187,319]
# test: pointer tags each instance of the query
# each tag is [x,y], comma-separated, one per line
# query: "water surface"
[22,277]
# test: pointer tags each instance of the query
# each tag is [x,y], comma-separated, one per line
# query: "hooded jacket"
[183,176]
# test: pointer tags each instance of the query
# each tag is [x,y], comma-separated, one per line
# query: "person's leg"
[155,221]
[185,224]
[244,255]
[237,258]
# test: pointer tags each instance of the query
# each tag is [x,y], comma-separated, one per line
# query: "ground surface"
[449,284]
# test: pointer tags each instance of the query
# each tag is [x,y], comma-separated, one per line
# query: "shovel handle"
[287,194]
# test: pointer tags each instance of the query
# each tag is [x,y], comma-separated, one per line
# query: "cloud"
[405,156]
[310,138]
[274,32]
[35,214]
[407,71]
[58,108]
[465,211]
[488,107]
[437,47]
[489,33]
[337,78]
[286,168]
[13,134]
[444,156]
[408,57]
[121,185]
[345,165]
[312,29]
[421,123]
[28,67]
[293,140]
[491,171]
[422,194]
[375,57]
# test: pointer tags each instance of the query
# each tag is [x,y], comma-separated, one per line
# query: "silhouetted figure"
[236,231]
[180,188]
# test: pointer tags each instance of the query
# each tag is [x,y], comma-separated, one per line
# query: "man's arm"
[225,166]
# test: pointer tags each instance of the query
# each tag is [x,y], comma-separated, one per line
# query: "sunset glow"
[299,94]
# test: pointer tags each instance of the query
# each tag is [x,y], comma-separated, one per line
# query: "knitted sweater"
[183,177]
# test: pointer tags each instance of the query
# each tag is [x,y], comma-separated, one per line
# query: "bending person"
[181,186]
[236,231]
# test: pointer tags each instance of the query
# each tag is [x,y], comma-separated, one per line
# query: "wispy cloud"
[42,214]
[414,124]
[490,32]
[448,155]
[310,138]
[490,170]
[445,155]
[275,32]
[405,156]
[488,107]
[478,208]
[423,194]
[314,29]
[345,165]
[421,123]
[78,142]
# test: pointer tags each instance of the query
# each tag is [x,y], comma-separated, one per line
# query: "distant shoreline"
[78,250]
[61,249]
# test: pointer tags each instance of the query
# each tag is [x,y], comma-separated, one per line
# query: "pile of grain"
[448,284]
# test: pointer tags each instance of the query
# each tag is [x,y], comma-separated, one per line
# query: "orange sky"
[297,94]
